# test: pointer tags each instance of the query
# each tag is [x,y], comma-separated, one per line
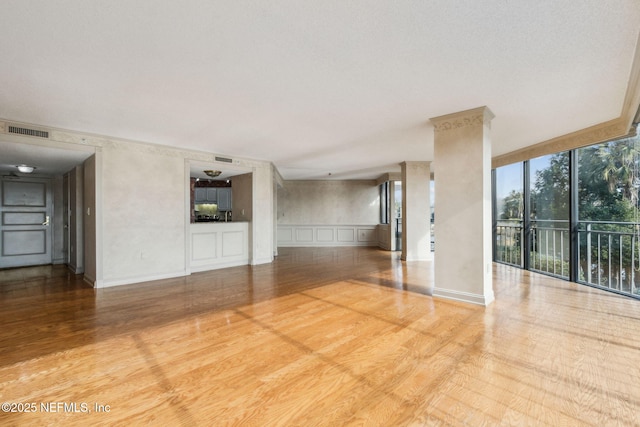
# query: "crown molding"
[592,135]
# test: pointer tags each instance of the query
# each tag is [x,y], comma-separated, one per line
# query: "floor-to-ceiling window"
[397,212]
[509,214]
[608,226]
[432,194]
[574,215]
[549,214]
[384,203]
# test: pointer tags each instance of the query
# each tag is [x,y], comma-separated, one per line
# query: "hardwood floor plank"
[328,336]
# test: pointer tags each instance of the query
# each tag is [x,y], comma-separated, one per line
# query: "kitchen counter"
[218,245]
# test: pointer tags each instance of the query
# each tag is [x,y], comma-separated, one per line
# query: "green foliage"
[607,184]
[550,190]
[608,187]
[512,205]
[549,264]
[509,254]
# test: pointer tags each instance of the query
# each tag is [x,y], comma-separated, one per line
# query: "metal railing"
[549,251]
[608,251]
[509,237]
[609,254]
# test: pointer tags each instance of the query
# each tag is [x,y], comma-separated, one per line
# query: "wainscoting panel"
[327,235]
[304,234]
[285,234]
[346,234]
[384,236]
[218,245]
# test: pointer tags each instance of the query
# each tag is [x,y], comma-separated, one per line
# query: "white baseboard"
[217,266]
[139,279]
[265,260]
[467,297]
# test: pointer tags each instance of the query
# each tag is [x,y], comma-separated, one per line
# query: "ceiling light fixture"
[212,174]
[25,168]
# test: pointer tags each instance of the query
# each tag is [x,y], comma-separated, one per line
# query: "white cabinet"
[224,199]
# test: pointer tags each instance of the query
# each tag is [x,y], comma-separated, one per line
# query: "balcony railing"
[509,235]
[549,252]
[608,252]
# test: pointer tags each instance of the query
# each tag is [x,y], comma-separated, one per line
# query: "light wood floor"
[321,337]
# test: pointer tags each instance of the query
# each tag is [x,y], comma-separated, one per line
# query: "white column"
[261,243]
[462,153]
[416,211]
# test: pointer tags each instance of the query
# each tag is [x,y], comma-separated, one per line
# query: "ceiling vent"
[223,159]
[28,132]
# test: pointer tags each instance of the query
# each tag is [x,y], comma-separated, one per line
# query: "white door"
[25,230]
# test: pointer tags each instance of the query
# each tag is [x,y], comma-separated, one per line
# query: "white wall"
[132,201]
[262,215]
[143,194]
[328,202]
[242,187]
[328,213]
[143,227]
[385,236]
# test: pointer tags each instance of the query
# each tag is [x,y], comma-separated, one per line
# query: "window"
[384,203]
[549,214]
[508,235]
[574,215]
[609,221]
[397,185]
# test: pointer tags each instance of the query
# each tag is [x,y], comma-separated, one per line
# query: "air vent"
[28,132]
[223,159]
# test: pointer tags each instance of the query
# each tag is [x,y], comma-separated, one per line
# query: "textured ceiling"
[317,87]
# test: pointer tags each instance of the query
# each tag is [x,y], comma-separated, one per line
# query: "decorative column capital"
[474,117]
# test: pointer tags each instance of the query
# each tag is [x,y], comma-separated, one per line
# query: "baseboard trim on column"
[467,297]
